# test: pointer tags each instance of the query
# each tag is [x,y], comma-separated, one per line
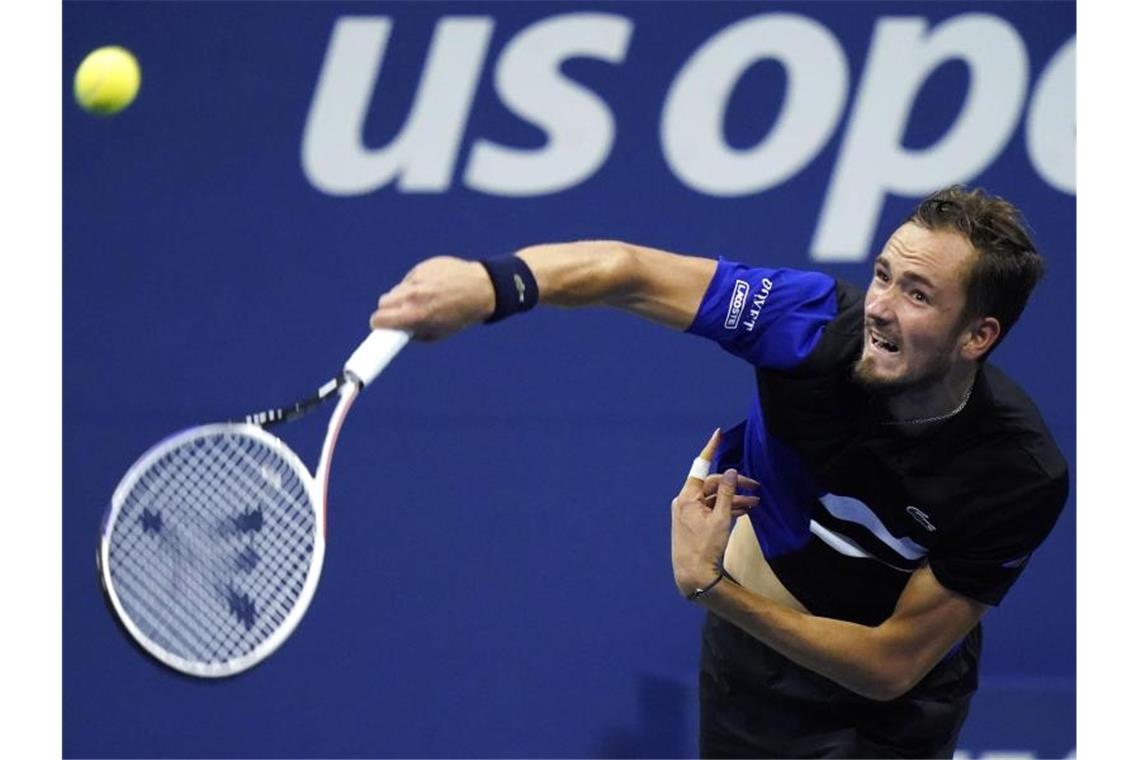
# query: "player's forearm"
[858,657]
[654,284]
[586,273]
[444,294]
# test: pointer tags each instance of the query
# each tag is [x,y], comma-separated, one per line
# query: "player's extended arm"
[444,294]
[880,662]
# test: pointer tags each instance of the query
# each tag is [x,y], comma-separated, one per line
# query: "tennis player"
[904,481]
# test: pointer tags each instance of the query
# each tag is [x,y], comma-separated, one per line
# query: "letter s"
[579,125]
[333,155]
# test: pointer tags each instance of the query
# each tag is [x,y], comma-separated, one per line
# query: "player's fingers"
[394,317]
[694,483]
[396,295]
[743,483]
[383,316]
[738,501]
[725,493]
[710,448]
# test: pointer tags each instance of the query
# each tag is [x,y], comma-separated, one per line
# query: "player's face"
[913,310]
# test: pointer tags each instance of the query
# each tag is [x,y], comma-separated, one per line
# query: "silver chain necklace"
[939,418]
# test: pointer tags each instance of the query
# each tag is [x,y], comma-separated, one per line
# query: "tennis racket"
[213,544]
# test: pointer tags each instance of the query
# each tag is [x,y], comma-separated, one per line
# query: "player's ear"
[979,337]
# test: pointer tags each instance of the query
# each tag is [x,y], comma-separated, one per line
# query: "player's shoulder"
[1007,468]
[842,337]
[1013,424]
[771,317]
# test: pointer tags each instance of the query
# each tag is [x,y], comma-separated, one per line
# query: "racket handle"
[374,353]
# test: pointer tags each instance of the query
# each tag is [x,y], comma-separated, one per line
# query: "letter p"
[872,160]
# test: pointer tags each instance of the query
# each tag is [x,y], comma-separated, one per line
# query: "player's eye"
[919,296]
[881,275]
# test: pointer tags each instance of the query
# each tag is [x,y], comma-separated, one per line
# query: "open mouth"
[883,344]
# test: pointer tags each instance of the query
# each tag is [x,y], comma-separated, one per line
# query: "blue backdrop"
[497,580]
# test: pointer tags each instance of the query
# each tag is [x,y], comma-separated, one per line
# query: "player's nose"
[878,306]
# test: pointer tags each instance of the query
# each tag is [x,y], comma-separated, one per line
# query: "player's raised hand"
[700,485]
[700,531]
[438,297]
[741,503]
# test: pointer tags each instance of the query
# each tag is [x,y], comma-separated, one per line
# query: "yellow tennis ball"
[107,80]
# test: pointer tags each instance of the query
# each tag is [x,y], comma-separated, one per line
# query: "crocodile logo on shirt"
[922,518]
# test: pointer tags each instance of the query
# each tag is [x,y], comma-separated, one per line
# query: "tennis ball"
[107,80]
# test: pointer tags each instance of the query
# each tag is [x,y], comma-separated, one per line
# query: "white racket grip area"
[375,352]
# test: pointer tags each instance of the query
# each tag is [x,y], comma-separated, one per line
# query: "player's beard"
[927,377]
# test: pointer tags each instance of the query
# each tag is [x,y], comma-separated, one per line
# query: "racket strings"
[212,546]
[197,563]
[206,553]
[187,577]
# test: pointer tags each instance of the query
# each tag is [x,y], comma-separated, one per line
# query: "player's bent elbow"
[889,678]
[888,691]
[876,688]
[893,682]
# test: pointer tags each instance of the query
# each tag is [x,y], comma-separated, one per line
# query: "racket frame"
[362,367]
[314,490]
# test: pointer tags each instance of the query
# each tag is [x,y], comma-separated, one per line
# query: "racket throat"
[282,414]
[348,393]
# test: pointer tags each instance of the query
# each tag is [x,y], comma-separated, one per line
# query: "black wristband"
[516,290]
[699,591]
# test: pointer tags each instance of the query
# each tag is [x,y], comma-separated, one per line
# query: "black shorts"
[757,703]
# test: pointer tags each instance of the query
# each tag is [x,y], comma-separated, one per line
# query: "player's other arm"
[880,662]
[444,294]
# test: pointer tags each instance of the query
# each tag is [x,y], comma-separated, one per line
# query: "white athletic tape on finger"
[700,469]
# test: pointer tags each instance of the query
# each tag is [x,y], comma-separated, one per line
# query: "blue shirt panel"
[782,521]
[772,318]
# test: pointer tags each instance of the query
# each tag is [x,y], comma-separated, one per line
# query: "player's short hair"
[1007,266]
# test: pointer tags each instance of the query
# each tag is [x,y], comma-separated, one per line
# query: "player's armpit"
[927,622]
